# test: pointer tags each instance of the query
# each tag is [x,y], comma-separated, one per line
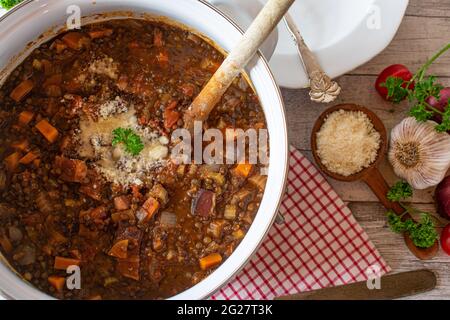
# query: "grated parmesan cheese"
[113,107]
[105,66]
[114,163]
[347,142]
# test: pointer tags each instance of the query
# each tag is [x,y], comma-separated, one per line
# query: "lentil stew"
[73,190]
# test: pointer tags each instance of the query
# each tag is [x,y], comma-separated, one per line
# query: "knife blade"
[392,287]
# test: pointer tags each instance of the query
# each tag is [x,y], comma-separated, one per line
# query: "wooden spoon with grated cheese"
[238,58]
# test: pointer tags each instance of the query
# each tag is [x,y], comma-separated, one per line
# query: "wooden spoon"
[259,30]
[370,175]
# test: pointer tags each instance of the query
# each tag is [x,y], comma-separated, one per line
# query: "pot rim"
[244,262]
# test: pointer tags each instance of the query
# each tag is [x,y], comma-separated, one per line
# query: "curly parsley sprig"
[418,89]
[401,190]
[133,143]
[8,4]
[422,233]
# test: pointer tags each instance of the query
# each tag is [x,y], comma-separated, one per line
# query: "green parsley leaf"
[445,124]
[420,112]
[395,222]
[401,190]
[396,92]
[427,88]
[133,143]
[8,4]
[423,234]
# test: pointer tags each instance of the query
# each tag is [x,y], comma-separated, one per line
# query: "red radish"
[440,104]
[396,71]
[445,239]
[442,197]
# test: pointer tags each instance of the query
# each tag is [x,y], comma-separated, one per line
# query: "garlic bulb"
[418,153]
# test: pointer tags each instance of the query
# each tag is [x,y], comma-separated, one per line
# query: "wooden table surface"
[424,30]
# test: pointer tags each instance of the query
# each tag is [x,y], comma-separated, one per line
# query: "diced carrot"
[57,282]
[92,190]
[163,57]
[121,203]
[12,161]
[94,34]
[136,192]
[6,244]
[22,145]
[55,79]
[210,261]
[29,157]
[119,249]
[243,169]
[62,263]
[37,162]
[171,117]
[25,117]
[149,208]
[22,90]
[60,46]
[56,238]
[47,130]
[76,254]
[72,170]
[98,213]
[75,40]
[158,38]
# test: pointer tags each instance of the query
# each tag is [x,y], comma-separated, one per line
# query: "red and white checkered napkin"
[319,245]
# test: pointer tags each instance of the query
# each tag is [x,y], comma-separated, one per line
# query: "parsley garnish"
[401,190]
[423,233]
[396,93]
[8,4]
[424,88]
[133,143]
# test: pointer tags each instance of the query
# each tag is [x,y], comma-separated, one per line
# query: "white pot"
[26,22]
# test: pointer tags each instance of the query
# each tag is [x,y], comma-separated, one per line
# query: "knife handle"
[392,287]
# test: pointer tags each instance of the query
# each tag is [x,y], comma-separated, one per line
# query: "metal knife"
[391,287]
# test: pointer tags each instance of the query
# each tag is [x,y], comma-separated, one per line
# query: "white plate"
[343,34]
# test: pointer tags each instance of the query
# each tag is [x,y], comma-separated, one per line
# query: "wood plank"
[417,39]
[371,216]
[429,8]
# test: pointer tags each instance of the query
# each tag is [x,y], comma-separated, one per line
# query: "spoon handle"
[259,30]
[323,89]
[379,186]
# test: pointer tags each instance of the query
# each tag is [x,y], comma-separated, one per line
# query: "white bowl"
[26,22]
